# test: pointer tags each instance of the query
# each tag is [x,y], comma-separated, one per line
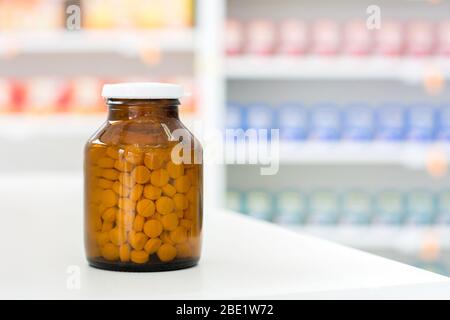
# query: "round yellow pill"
[96,152]
[181,201]
[117,236]
[139,256]
[138,224]
[166,252]
[102,238]
[141,174]
[159,178]
[192,195]
[109,198]
[110,214]
[124,253]
[127,204]
[153,228]
[191,213]
[145,208]
[154,160]
[165,238]
[138,240]
[134,156]
[169,190]
[179,213]
[182,184]
[126,179]
[152,192]
[184,250]
[165,205]
[123,166]
[136,192]
[179,235]
[106,163]
[107,226]
[104,183]
[120,189]
[175,170]
[110,174]
[152,245]
[169,221]
[112,152]
[110,252]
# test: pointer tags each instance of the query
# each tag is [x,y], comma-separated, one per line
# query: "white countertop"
[41,245]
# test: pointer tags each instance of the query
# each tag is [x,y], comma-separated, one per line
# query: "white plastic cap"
[142,90]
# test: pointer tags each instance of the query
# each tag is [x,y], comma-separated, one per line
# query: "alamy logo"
[73,21]
[373,21]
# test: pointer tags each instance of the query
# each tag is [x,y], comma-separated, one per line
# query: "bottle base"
[146,267]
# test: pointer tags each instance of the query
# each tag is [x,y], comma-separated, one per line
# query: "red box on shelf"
[420,40]
[261,37]
[294,37]
[389,40]
[358,39]
[326,37]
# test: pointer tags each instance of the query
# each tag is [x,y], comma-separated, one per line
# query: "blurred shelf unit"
[108,41]
[347,68]
[413,155]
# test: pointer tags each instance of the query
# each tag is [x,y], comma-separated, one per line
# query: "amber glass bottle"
[143,183]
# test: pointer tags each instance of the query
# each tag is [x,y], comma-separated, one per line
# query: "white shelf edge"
[404,238]
[406,69]
[410,154]
[129,42]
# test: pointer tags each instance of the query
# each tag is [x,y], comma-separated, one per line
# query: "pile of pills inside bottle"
[142,207]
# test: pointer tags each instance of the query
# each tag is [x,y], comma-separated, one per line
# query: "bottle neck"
[127,109]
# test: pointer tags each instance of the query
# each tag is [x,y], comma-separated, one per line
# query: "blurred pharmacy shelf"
[21,127]
[343,68]
[411,239]
[123,42]
[409,154]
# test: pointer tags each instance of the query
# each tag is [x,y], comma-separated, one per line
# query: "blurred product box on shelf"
[421,206]
[421,39]
[235,201]
[293,37]
[325,122]
[21,15]
[324,207]
[260,116]
[358,122]
[357,38]
[297,37]
[444,207]
[291,208]
[234,37]
[235,118]
[444,38]
[52,95]
[259,204]
[97,14]
[391,122]
[444,122]
[356,208]
[422,121]
[326,37]
[261,37]
[293,121]
[390,208]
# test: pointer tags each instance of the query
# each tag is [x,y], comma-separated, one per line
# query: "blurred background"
[363,113]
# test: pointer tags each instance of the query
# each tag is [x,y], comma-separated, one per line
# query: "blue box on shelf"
[291,207]
[391,122]
[260,116]
[324,207]
[421,205]
[293,121]
[356,208]
[358,122]
[235,117]
[259,204]
[390,208]
[422,120]
[326,122]
[444,122]
[443,208]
